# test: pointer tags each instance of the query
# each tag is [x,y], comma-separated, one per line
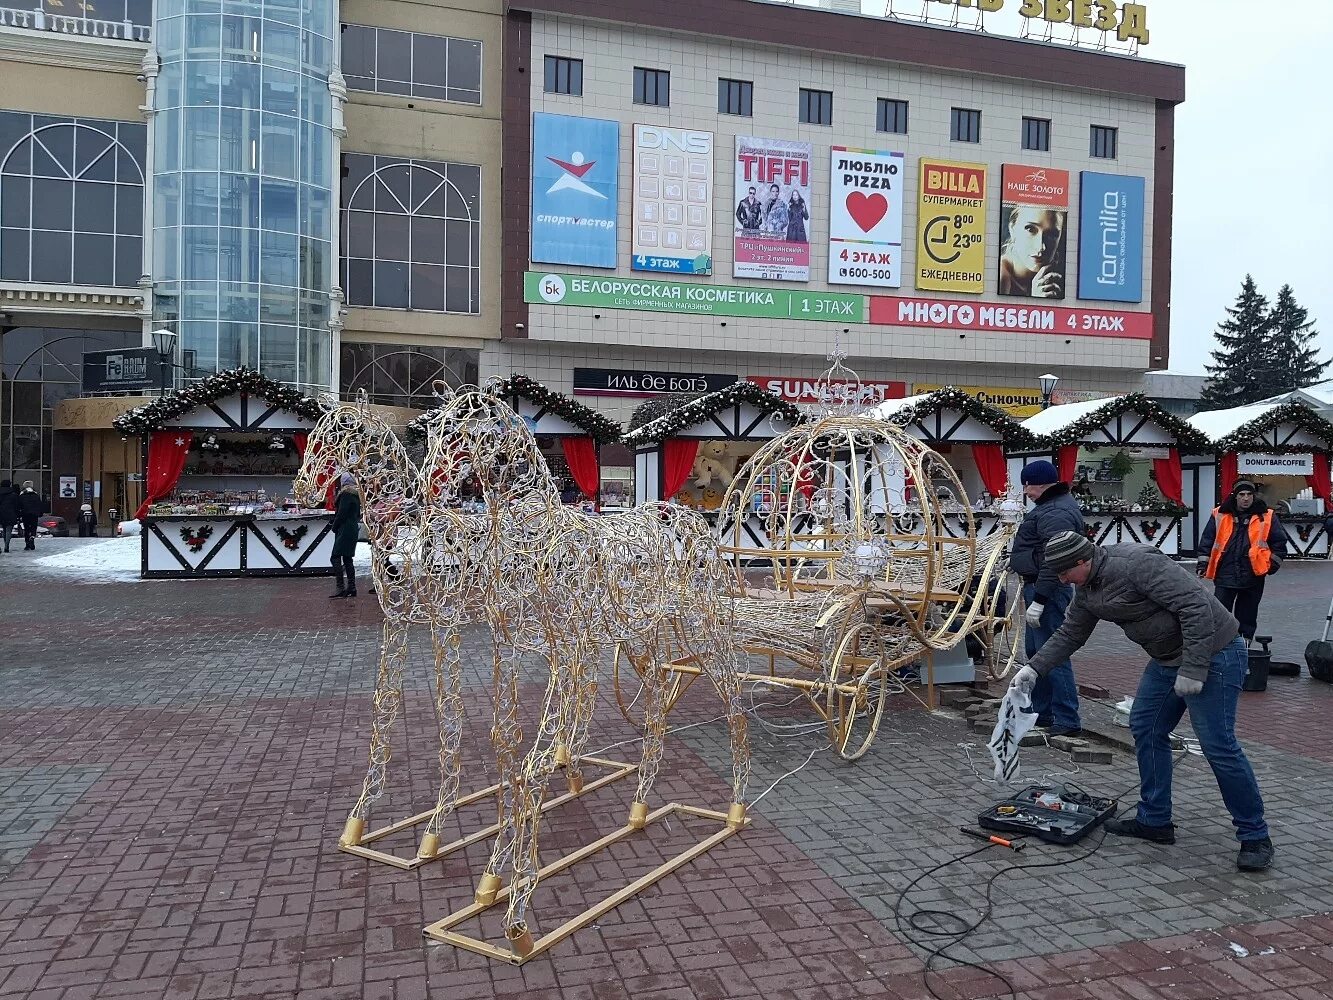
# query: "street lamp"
[165,342]
[1047,383]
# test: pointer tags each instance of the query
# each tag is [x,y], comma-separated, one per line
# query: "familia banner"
[772,238]
[575,164]
[1034,212]
[865,217]
[951,226]
[1110,243]
[673,200]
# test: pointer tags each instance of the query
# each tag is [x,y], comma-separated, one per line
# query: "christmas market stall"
[1123,458]
[975,439]
[571,437]
[220,456]
[1283,448]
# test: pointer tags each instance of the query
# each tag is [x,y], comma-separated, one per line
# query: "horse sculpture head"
[352,438]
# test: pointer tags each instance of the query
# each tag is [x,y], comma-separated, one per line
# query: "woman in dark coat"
[9,511]
[797,213]
[346,527]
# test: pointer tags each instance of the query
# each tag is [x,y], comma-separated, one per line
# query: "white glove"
[1034,614]
[1186,686]
[1024,680]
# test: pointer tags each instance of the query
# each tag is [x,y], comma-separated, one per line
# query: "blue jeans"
[1055,696]
[1158,710]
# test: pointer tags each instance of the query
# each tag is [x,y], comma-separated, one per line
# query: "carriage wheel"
[855,707]
[627,681]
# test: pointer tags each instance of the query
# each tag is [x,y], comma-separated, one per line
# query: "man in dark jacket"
[1055,696]
[346,527]
[9,511]
[1198,661]
[30,509]
[1243,544]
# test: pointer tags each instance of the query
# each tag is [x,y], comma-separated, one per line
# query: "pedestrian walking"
[9,511]
[1054,509]
[1197,661]
[346,527]
[30,509]
[1245,544]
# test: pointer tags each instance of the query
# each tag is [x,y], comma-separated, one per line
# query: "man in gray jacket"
[1198,661]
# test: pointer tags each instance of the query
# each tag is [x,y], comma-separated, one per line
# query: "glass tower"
[243,181]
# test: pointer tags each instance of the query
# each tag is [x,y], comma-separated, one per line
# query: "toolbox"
[1055,814]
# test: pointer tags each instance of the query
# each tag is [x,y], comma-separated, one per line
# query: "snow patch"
[1240,950]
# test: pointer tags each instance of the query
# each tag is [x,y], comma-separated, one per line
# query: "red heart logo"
[867,210]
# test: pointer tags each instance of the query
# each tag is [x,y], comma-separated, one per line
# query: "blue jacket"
[1054,511]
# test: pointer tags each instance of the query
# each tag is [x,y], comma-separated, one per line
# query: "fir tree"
[1291,344]
[1242,373]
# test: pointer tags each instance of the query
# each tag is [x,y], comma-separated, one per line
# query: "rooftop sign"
[1129,21]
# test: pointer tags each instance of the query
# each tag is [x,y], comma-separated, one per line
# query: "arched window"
[411,233]
[71,201]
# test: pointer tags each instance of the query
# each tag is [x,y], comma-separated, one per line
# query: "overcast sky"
[1254,154]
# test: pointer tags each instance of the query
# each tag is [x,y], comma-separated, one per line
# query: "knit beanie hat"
[1242,484]
[1068,549]
[1039,473]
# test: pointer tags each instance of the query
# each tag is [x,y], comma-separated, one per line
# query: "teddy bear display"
[712,464]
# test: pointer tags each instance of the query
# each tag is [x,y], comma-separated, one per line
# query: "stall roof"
[1242,426]
[1054,419]
[1072,423]
[597,426]
[1219,423]
[1011,432]
[155,415]
[691,412]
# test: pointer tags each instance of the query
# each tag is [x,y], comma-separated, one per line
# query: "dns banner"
[951,226]
[673,200]
[1110,245]
[575,163]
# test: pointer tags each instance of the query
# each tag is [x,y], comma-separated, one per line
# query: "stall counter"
[202,545]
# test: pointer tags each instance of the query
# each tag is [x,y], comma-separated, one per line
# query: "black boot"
[1133,828]
[1255,855]
[351,582]
[342,587]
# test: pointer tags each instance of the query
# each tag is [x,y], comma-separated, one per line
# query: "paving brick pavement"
[177,759]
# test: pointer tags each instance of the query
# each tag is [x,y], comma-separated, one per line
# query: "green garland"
[1188,438]
[702,407]
[1012,433]
[600,428]
[155,415]
[660,406]
[1247,436]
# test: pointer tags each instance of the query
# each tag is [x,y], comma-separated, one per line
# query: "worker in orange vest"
[1243,544]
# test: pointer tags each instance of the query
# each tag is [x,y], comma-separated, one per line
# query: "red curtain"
[1319,482]
[1169,476]
[581,455]
[989,457]
[166,459]
[1229,474]
[1067,462]
[299,439]
[678,456]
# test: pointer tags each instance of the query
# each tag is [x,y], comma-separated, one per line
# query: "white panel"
[549,423]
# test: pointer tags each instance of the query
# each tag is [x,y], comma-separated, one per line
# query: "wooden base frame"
[617,770]
[525,948]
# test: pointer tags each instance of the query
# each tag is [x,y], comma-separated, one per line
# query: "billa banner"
[941,314]
[951,226]
[575,163]
[1034,216]
[673,200]
[865,217]
[807,390]
[1110,240]
[772,217]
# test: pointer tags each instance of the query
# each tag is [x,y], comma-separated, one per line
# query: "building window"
[564,76]
[652,86]
[891,116]
[383,61]
[965,125]
[404,374]
[816,107]
[1103,143]
[735,97]
[1037,134]
[71,200]
[411,234]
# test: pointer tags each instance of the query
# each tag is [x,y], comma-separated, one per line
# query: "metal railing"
[65,24]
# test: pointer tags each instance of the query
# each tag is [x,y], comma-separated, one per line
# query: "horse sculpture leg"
[449,717]
[648,664]
[388,699]
[505,739]
[577,703]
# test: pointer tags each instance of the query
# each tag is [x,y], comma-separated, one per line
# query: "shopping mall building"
[379,194]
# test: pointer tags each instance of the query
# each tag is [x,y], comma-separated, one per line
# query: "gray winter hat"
[1067,549]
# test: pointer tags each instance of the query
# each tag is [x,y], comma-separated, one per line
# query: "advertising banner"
[126,370]
[1014,400]
[637,382]
[951,226]
[575,164]
[1256,464]
[772,218]
[673,200]
[806,390]
[652,295]
[896,310]
[865,217]
[69,487]
[1110,239]
[1034,216]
